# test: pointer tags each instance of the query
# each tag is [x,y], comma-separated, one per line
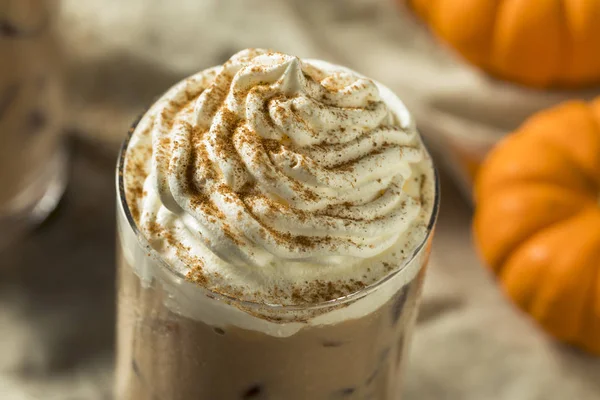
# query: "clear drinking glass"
[32,153]
[173,344]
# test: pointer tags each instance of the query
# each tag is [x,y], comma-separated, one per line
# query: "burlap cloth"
[57,288]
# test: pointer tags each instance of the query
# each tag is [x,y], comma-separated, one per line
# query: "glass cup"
[177,340]
[32,153]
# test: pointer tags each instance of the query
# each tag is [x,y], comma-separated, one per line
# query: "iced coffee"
[275,217]
[32,155]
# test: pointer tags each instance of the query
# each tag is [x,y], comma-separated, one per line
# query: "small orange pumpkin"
[537,220]
[533,42]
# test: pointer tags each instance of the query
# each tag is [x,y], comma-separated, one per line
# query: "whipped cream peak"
[280,180]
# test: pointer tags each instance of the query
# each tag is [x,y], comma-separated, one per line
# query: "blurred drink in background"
[32,154]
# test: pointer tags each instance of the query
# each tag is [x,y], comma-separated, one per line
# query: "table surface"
[57,287]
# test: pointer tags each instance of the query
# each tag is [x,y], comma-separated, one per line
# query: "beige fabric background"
[56,299]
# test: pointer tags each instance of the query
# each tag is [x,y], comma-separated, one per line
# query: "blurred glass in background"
[32,155]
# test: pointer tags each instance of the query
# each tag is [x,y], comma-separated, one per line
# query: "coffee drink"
[32,157]
[275,219]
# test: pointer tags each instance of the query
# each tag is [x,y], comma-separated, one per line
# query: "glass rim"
[338,301]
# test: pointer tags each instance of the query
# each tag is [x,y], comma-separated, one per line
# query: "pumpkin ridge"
[526,154]
[582,19]
[551,127]
[501,263]
[481,192]
[569,50]
[563,332]
[592,186]
[565,47]
[529,30]
[594,109]
[531,302]
[532,180]
[498,263]
[519,184]
[491,40]
[491,64]
[522,302]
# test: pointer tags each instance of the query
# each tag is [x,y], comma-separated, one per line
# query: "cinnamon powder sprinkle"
[196,266]
[204,181]
[320,291]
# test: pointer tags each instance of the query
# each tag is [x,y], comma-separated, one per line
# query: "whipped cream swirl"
[280,180]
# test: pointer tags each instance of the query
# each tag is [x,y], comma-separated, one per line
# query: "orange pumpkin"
[537,220]
[534,42]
